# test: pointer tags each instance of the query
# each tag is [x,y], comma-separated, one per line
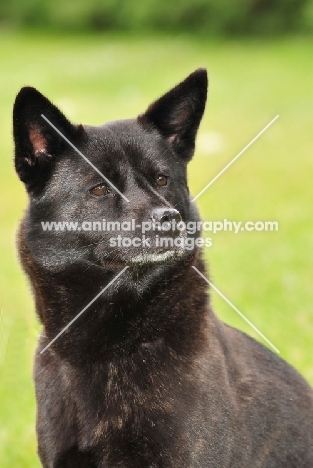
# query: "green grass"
[266,275]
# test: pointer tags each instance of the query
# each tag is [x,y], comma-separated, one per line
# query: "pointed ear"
[36,142]
[177,114]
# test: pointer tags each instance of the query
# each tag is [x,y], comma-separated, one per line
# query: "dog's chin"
[150,258]
[146,258]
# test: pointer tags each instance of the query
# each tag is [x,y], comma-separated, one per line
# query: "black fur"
[147,377]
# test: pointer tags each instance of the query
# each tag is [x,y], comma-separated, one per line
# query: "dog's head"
[123,185]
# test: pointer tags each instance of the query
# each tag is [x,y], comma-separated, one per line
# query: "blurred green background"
[108,60]
[256,17]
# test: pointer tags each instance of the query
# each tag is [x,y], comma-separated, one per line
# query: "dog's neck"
[128,315]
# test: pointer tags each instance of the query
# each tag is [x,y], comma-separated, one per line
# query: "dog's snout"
[165,215]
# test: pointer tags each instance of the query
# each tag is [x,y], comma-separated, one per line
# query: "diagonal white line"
[84,309]
[235,158]
[84,157]
[235,309]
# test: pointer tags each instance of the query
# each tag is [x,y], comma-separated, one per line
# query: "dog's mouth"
[152,251]
[155,257]
[145,258]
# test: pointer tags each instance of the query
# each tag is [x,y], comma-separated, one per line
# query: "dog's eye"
[100,190]
[161,180]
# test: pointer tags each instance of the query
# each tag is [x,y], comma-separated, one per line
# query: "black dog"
[147,376]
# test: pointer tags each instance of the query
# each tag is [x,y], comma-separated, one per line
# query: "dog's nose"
[165,215]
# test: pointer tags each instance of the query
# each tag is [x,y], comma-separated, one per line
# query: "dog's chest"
[129,400]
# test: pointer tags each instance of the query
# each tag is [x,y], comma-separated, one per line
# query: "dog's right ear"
[36,142]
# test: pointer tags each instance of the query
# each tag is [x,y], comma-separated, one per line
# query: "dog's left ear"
[177,114]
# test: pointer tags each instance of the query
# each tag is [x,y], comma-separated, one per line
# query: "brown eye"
[161,180]
[100,190]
